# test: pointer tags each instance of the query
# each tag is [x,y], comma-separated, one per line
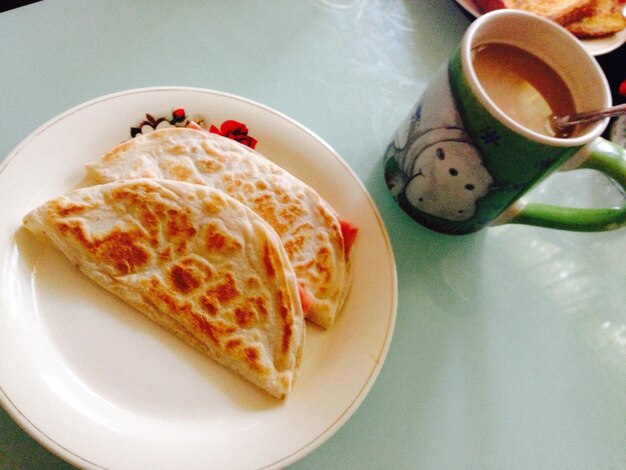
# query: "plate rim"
[71,456]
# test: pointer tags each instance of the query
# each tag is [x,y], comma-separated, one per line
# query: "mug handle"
[603,156]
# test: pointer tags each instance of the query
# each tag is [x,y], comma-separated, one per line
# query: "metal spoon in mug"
[563,122]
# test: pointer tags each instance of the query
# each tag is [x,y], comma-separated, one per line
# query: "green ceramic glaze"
[456,167]
[516,163]
[605,157]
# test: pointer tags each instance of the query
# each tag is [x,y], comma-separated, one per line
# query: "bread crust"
[606,18]
[583,18]
[559,11]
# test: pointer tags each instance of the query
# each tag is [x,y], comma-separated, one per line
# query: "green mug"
[458,163]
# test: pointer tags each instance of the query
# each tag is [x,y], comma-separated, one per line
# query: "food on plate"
[195,261]
[607,18]
[560,11]
[317,242]
[584,18]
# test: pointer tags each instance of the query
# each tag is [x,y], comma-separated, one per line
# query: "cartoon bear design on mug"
[441,171]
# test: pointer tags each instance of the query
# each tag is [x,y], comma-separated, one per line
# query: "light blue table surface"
[510,345]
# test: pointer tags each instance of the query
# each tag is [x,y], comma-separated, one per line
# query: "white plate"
[100,386]
[618,131]
[596,46]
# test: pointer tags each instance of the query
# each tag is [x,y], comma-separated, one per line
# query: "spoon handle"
[566,121]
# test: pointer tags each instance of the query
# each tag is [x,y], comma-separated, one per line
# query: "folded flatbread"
[315,239]
[195,261]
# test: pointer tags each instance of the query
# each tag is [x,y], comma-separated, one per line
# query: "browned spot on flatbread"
[225,290]
[282,307]
[151,215]
[234,343]
[251,311]
[209,304]
[208,166]
[215,154]
[261,307]
[330,221]
[157,293]
[323,259]
[232,183]
[317,270]
[248,187]
[216,331]
[213,204]
[268,261]
[150,222]
[179,228]
[297,240]
[183,279]
[177,149]
[206,327]
[198,264]
[73,209]
[182,173]
[253,282]
[179,224]
[165,254]
[252,357]
[219,242]
[292,212]
[128,202]
[245,316]
[265,206]
[120,249]
[125,196]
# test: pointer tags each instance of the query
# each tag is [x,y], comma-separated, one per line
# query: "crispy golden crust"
[307,225]
[560,11]
[195,261]
[606,18]
[583,18]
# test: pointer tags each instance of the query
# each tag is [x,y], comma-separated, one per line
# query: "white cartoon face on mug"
[441,173]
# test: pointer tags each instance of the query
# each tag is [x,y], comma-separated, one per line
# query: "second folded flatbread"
[308,227]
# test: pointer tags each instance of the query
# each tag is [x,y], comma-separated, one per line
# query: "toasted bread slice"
[560,11]
[607,18]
